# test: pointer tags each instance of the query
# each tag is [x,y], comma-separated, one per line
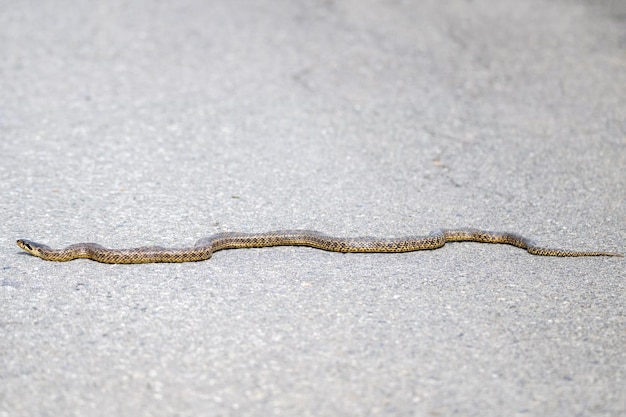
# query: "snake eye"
[26,244]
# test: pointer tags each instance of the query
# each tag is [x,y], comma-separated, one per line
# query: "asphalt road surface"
[159,123]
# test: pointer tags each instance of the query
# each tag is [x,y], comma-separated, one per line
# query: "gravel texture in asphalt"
[159,123]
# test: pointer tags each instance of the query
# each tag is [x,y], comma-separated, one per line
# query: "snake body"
[204,248]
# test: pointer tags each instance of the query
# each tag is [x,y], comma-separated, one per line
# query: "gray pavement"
[141,123]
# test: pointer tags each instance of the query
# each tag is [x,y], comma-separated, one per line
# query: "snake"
[205,247]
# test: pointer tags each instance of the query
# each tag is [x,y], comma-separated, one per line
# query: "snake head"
[30,247]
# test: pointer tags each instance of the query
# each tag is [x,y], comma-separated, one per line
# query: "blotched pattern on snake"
[204,248]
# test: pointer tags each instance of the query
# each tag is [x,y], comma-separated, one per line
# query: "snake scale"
[204,248]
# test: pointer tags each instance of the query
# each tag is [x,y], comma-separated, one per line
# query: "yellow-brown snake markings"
[204,248]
